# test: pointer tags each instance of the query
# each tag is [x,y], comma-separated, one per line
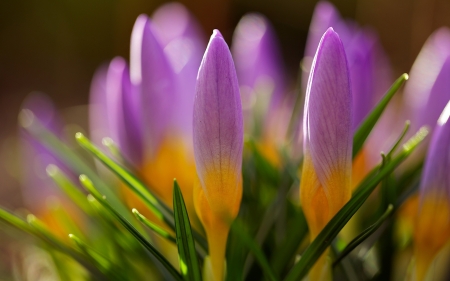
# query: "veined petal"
[328,111]
[218,128]
[153,76]
[325,16]
[124,111]
[184,45]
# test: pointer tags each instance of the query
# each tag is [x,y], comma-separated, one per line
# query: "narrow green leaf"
[40,232]
[101,262]
[364,235]
[239,230]
[189,266]
[334,226]
[144,242]
[286,251]
[158,207]
[369,122]
[69,188]
[154,227]
[69,157]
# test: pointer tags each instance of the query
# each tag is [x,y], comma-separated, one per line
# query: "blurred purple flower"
[153,77]
[428,89]
[258,58]
[184,44]
[432,230]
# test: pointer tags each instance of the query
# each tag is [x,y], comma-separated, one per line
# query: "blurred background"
[54,46]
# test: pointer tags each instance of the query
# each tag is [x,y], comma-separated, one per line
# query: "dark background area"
[54,46]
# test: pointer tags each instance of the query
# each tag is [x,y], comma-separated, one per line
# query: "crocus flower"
[327,130]
[124,112]
[428,88]
[262,83]
[432,230]
[183,43]
[218,142]
[258,59]
[325,15]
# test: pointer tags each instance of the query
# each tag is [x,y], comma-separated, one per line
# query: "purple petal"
[153,78]
[428,88]
[361,66]
[325,16]
[328,113]
[257,56]
[218,124]
[184,45]
[124,111]
[98,123]
[437,163]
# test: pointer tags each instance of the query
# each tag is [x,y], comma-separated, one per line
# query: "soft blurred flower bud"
[218,143]
[124,112]
[153,77]
[327,128]
[258,59]
[428,89]
[432,229]
[262,83]
[184,44]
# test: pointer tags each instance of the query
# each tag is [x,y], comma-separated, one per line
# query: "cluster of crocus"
[180,109]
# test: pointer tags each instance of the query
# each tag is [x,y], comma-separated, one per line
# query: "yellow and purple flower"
[432,225]
[327,129]
[218,143]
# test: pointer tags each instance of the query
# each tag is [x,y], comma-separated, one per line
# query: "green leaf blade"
[130,228]
[369,122]
[189,265]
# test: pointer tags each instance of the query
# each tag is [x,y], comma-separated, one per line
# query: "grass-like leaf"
[369,122]
[363,235]
[69,188]
[161,210]
[334,226]
[71,159]
[113,271]
[147,245]
[189,266]
[239,230]
[154,227]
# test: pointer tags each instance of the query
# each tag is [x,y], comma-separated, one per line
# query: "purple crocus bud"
[218,143]
[184,44]
[98,123]
[327,129]
[432,229]
[124,111]
[428,88]
[361,65]
[153,78]
[258,59]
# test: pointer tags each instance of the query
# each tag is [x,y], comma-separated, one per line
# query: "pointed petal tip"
[216,34]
